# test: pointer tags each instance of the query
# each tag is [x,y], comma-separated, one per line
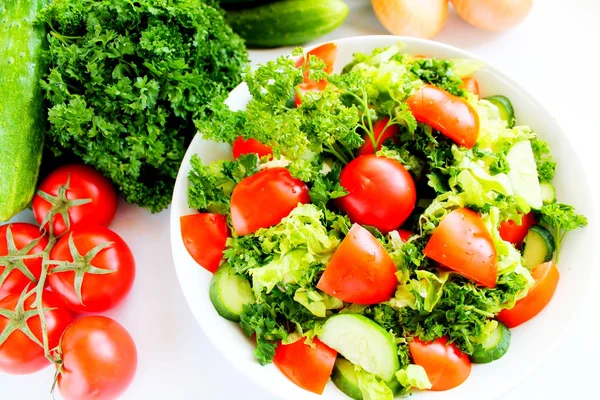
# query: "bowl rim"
[591,229]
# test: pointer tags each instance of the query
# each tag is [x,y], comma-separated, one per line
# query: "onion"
[493,15]
[419,18]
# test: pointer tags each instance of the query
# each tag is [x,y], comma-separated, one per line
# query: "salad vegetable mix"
[386,215]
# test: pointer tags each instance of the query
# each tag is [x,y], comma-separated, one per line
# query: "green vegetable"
[233,4]
[523,173]
[21,109]
[561,218]
[493,346]
[127,79]
[543,160]
[413,376]
[229,293]
[287,22]
[548,193]
[354,381]
[539,247]
[507,113]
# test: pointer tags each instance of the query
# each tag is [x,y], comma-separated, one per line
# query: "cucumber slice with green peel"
[494,347]
[229,293]
[362,342]
[507,112]
[344,378]
[539,246]
[523,174]
[548,193]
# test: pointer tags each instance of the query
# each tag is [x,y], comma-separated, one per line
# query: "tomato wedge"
[405,234]
[462,243]
[451,115]
[360,271]
[546,279]
[241,147]
[264,199]
[380,134]
[470,84]
[204,236]
[308,367]
[381,192]
[515,233]
[447,367]
[328,53]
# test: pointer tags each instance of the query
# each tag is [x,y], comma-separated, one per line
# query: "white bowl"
[531,342]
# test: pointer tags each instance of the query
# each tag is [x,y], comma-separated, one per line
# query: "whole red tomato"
[99,360]
[381,192]
[264,199]
[19,354]
[78,192]
[100,273]
[19,239]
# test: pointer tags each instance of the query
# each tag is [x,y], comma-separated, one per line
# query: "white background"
[553,54]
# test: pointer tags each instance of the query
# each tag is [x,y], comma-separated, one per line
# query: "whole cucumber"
[288,22]
[21,108]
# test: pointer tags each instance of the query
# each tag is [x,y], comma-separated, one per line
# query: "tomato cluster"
[72,263]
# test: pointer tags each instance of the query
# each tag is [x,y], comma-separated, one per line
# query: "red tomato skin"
[85,183]
[23,234]
[513,233]
[264,199]
[405,234]
[241,147]
[546,280]
[360,271]
[99,292]
[381,192]
[204,236]
[462,243]
[99,360]
[19,355]
[327,52]
[451,115]
[380,136]
[470,84]
[446,366]
[308,367]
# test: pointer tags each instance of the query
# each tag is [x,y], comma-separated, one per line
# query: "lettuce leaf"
[372,387]
[413,376]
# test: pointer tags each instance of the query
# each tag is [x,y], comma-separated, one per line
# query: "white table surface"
[554,54]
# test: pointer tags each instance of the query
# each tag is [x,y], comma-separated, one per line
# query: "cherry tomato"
[308,367]
[405,234]
[92,288]
[328,53]
[99,360]
[470,84]
[381,192]
[19,239]
[451,115]
[204,237]
[462,243]
[380,134]
[546,279]
[241,146]
[59,193]
[360,271]
[447,367]
[514,233]
[264,199]
[19,354]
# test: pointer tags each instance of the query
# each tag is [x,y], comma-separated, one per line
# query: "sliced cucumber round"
[523,173]
[344,378]
[505,107]
[548,193]
[363,343]
[539,246]
[229,293]
[494,347]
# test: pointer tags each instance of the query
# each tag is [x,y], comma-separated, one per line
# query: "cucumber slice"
[548,193]
[229,293]
[362,342]
[505,107]
[539,246]
[344,378]
[523,173]
[494,347]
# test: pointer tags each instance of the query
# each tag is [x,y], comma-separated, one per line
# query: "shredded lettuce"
[372,387]
[413,376]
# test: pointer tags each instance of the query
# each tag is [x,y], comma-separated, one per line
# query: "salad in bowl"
[384,227]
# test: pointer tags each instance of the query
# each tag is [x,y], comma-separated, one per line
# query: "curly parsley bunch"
[127,78]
